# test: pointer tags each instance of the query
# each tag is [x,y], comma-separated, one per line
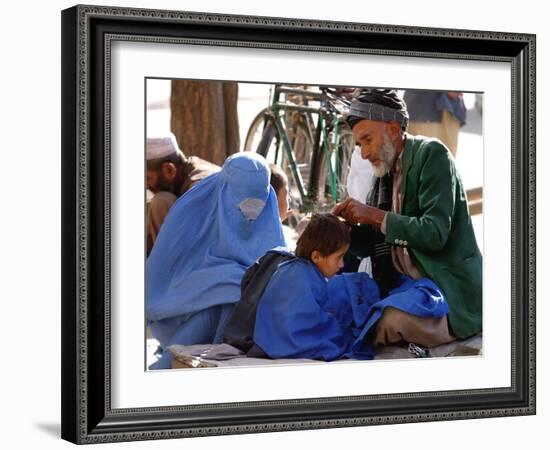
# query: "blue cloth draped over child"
[208,239]
[422,298]
[304,315]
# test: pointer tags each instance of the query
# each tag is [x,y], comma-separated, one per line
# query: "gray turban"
[382,105]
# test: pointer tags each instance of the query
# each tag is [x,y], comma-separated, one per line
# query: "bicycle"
[311,142]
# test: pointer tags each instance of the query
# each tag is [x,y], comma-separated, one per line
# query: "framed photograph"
[136,82]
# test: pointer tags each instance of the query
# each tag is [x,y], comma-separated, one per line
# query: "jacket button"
[397,241]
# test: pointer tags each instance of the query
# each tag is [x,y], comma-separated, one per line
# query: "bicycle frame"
[321,142]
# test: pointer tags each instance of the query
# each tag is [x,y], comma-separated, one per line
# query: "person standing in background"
[436,114]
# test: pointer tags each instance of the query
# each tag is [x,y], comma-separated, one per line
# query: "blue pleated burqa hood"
[210,236]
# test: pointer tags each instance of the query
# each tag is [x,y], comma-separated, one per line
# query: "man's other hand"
[356,212]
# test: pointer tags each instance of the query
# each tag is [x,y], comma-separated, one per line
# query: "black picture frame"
[87,415]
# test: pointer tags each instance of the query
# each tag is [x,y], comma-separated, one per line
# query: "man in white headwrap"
[169,175]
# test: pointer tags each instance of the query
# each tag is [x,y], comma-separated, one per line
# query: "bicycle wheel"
[271,148]
[263,137]
[325,198]
[256,129]
[346,146]
[299,136]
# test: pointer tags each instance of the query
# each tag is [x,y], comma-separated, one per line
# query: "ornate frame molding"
[88,419]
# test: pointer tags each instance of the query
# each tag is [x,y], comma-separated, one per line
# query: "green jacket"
[436,227]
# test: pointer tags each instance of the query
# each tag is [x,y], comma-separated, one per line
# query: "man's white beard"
[387,157]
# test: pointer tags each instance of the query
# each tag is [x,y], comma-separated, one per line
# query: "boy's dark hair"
[324,233]
[278,177]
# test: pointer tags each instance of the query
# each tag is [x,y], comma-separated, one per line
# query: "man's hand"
[357,213]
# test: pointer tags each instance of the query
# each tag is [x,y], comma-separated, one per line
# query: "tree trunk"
[204,118]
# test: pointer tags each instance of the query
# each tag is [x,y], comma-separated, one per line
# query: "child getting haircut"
[306,310]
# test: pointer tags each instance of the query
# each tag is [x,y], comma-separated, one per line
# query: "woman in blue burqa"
[209,238]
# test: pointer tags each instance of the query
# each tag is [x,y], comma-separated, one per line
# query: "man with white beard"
[415,224]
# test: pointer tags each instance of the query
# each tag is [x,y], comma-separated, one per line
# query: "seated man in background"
[169,175]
